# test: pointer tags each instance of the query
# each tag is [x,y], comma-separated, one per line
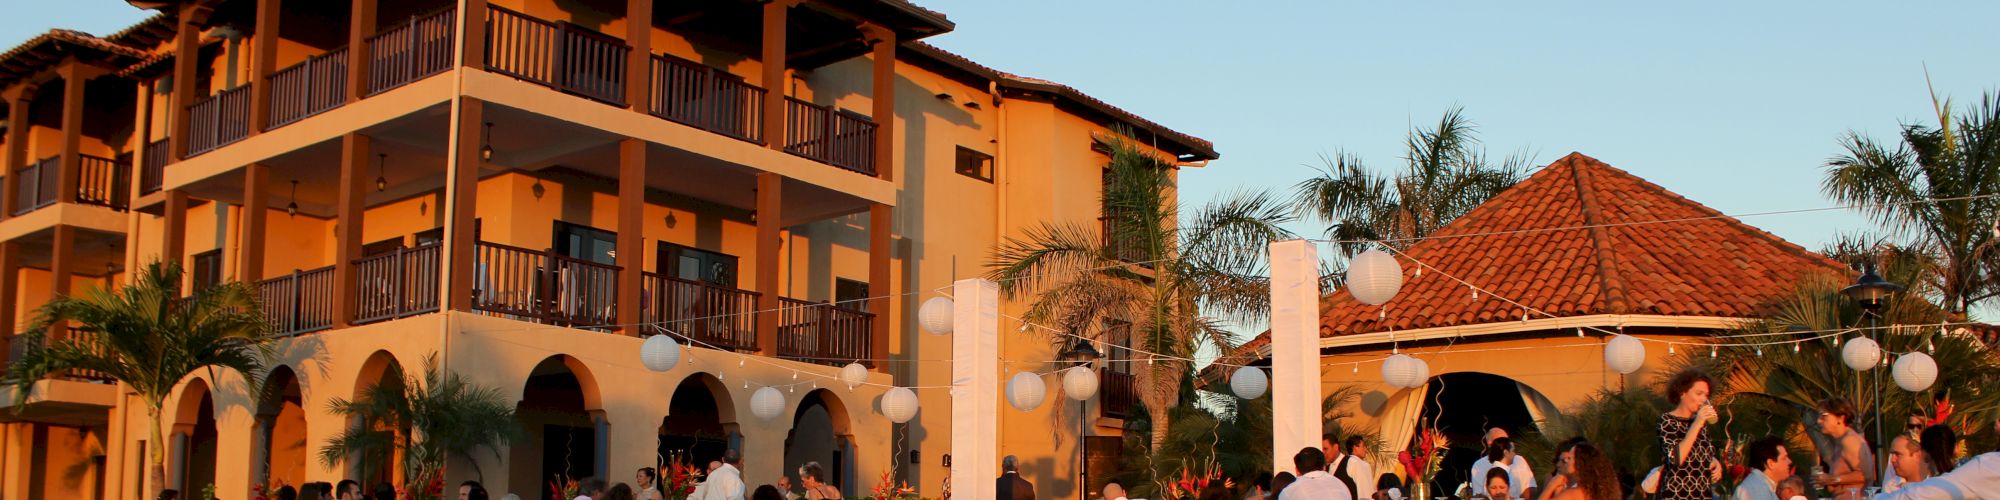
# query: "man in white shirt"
[1353,470]
[1976,479]
[725,482]
[1314,482]
[1769,466]
[1520,477]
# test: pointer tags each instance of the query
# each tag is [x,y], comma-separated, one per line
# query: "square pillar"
[74,75]
[461,193]
[770,189]
[881,224]
[975,405]
[1295,372]
[360,24]
[18,106]
[62,263]
[256,200]
[884,98]
[187,50]
[639,61]
[10,273]
[774,72]
[631,232]
[472,33]
[353,196]
[173,237]
[263,61]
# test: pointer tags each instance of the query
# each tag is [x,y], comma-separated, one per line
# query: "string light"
[1579,334]
[1670,348]
[1711,353]
[1795,347]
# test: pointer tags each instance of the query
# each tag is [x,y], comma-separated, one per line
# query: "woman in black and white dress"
[1690,470]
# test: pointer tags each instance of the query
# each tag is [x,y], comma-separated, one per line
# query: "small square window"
[975,164]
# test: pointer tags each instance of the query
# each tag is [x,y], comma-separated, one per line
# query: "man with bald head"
[1521,478]
[1011,486]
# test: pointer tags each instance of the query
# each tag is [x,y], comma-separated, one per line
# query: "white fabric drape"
[1539,407]
[1398,424]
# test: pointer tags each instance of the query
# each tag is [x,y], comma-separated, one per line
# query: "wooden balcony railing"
[1121,249]
[18,345]
[829,136]
[153,167]
[397,284]
[1120,393]
[37,186]
[820,332]
[308,88]
[412,50]
[706,312]
[104,182]
[218,120]
[565,56]
[707,98]
[299,302]
[544,286]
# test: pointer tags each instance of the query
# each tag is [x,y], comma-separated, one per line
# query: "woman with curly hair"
[1594,477]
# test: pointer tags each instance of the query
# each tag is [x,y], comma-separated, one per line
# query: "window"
[582,242]
[382,247]
[975,164]
[850,294]
[1119,334]
[432,236]
[207,269]
[697,265]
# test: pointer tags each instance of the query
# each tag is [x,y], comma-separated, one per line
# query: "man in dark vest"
[1010,486]
[1353,470]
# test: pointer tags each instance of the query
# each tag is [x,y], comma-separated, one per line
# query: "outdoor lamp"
[1870,291]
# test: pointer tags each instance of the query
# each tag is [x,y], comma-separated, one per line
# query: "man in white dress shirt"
[726,481]
[1314,482]
[1976,479]
[1520,477]
[1352,468]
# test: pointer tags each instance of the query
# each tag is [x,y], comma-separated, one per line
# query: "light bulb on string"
[1579,333]
[740,360]
[746,385]
[1023,329]
[795,375]
[1711,353]
[1670,348]
[1760,352]
[1795,347]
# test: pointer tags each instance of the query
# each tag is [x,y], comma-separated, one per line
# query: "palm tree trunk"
[158,452]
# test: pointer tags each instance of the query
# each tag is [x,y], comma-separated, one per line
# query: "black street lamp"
[1871,292]
[1082,354]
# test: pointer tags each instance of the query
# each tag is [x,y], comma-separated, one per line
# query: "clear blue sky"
[1733,104]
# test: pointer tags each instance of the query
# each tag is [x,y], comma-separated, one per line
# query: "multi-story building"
[522,190]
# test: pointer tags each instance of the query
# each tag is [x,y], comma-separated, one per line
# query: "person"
[648,487]
[1690,469]
[1565,466]
[1596,479]
[1314,482]
[1906,462]
[309,491]
[1522,479]
[814,478]
[620,491]
[725,481]
[589,488]
[766,492]
[1976,479]
[1792,488]
[785,487]
[1010,485]
[1940,444]
[1354,465]
[471,490]
[1388,487]
[1114,491]
[1846,462]
[384,491]
[170,494]
[1257,489]
[1496,484]
[1769,464]
[1913,424]
[1329,447]
[286,492]
[349,489]
[1280,482]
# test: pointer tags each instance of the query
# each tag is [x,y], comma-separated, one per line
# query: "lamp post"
[1082,354]
[1872,292]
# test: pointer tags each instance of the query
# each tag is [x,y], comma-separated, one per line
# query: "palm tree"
[1445,175]
[1936,188]
[1151,268]
[428,419]
[146,338]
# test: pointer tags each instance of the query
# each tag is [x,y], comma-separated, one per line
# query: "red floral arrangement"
[888,489]
[1190,485]
[678,478]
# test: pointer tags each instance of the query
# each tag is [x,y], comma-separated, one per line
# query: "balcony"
[218,120]
[18,345]
[561,55]
[153,167]
[300,302]
[708,313]
[419,48]
[101,181]
[1121,396]
[308,88]
[544,287]
[392,285]
[822,332]
[830,136]
[706,98]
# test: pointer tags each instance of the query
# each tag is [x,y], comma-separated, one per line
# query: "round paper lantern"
[1915,371]
[660,353]
[1423,371]
[1374,277]
[935,315]
[1861,354]
[1026,391]
[853,374]
[767,403]
[899,404]
[1079,383]
[1249,382]
[1624,354]
[1402,371]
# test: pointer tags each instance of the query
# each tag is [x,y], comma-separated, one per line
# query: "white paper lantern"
[1079,383]
[767,403]
[1402,371]
[853,374]
[1423,371]
[1249,382]
[899,404]
[660,353]
[1861,354]
[1026,391]
[1624,354]
[1915,371]
[1374,277]
[935,315]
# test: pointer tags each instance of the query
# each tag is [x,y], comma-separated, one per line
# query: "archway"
[281,428]
[820,433]
[381,376]
[194,437]
[1464,405]
[700,422]
[562,427]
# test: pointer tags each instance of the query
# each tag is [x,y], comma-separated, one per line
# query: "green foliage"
[428,419]
[1446,174]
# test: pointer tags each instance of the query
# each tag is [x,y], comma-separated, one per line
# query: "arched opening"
[195,437]
[820,434]
[699,424]
[563,432]
[381,376]
[1463,406]
[281,428]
